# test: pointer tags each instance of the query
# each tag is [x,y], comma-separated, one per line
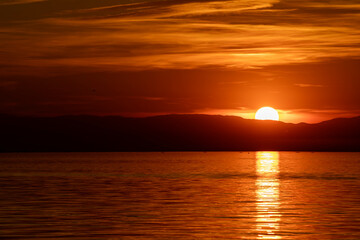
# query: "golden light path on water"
[267,195]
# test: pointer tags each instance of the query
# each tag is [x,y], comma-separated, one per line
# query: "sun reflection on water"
[267,195]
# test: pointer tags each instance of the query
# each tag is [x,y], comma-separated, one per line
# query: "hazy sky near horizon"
[146,57]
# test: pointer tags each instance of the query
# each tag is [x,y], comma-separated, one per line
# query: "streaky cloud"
[180,34]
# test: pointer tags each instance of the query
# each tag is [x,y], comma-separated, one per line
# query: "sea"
[180,195]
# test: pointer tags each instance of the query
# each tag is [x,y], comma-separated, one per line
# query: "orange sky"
[138,58]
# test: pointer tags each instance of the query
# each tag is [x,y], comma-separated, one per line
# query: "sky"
[146,57]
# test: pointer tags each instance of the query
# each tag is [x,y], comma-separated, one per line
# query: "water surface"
[193,195]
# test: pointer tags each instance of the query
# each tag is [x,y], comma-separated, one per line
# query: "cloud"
[153,56]
[316,115]
[16,2]
[306,85]
[179,34]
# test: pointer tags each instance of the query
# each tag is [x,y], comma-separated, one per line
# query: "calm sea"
[183,195]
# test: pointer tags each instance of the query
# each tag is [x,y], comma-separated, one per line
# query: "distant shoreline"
[171,133]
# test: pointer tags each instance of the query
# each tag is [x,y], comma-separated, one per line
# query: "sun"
[267,113]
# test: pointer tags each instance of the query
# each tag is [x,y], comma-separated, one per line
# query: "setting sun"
[267,113]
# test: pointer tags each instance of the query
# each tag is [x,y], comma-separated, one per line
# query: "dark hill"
[174,133]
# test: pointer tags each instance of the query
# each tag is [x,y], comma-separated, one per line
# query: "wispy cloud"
[306,85]
[181,34]
[16,2]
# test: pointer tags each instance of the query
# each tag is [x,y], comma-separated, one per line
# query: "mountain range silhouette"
[173,133]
